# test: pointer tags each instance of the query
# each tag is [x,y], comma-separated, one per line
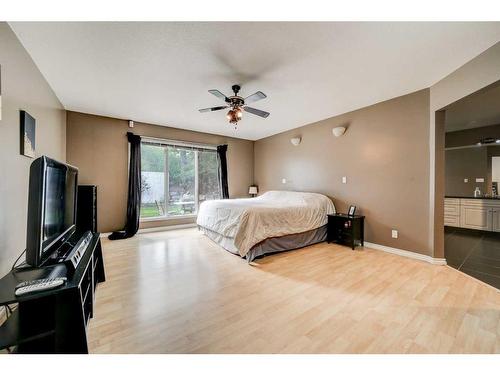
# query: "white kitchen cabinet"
[452,212]
[495,214]
[451,209]
[452,221]
[476,217]
[480,214]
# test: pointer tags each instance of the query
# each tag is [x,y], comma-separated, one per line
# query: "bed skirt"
[272,244]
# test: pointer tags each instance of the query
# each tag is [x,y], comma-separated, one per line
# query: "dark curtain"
[134,190]
[221,157]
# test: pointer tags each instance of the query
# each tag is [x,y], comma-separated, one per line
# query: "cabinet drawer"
[451,210]
[473,202]
[494,203]
[452,201]
[481,202]
[452,221]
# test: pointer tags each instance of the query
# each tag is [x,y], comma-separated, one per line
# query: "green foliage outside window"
[181,178]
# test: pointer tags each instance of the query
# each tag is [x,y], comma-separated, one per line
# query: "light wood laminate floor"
[178,292]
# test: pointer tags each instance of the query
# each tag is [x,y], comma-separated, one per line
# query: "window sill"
[166,218]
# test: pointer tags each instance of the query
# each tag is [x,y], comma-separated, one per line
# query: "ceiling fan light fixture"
[237,104]
[233,116]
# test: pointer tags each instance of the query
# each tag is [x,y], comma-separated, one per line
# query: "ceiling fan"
[237,104]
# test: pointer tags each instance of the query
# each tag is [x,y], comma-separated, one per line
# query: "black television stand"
[52,321]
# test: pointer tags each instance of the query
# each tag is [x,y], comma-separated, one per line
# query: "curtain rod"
[174,142]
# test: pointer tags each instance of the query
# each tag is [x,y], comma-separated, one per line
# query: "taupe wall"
[385,156]
[470,163]
[98,147]
[23,87]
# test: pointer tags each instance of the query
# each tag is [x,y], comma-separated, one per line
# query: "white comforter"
[273,214]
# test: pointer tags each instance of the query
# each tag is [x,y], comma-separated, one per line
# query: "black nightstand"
[346,230]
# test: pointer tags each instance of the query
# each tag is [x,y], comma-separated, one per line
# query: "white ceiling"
[477,110]
[160,72]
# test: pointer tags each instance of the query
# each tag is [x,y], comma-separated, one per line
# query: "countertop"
[472,197]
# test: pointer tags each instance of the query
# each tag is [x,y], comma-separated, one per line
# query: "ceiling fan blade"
[254,97]
[256,111]
[212,109]
[218,94]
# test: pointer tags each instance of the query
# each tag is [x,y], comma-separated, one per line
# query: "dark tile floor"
[474,252]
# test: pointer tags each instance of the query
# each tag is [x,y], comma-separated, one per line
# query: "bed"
[275,221]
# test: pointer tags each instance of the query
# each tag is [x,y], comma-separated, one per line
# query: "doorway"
[471,180]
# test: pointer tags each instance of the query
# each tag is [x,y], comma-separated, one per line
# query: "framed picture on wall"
[28,128]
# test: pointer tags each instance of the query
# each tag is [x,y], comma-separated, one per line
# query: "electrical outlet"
[466,180]
[344,180]
[394,233]
[283,180]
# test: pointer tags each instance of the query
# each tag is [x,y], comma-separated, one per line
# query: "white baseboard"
[167,227]
[158,229]
[406,253]
[371,245]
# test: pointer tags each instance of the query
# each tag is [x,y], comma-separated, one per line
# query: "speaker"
[86,208]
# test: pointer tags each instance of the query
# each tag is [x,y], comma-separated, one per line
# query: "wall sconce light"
[338,131]
[295,141]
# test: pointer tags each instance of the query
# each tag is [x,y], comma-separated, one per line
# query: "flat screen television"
[51,208]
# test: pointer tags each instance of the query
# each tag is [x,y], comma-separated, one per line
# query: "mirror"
[469,168]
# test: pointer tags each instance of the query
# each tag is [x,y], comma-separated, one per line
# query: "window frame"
[196,147]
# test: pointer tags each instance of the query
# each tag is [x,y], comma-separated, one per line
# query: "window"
[176,179]
[208,176]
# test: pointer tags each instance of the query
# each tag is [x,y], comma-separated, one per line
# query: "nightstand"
[346,230]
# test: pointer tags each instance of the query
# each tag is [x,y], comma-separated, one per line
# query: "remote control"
[39,285]
[38,281]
